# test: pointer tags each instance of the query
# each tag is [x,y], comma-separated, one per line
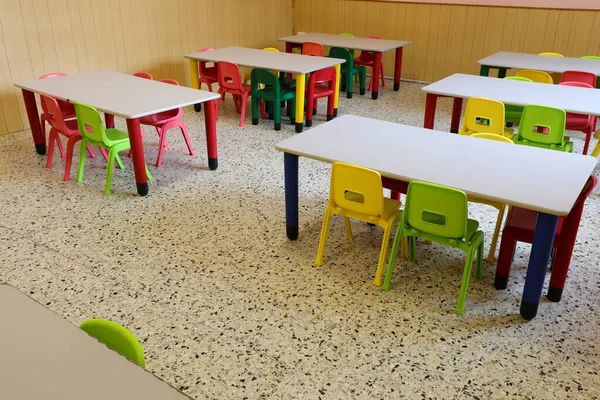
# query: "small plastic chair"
[439,214]
[535,76]
[349,70]
[272,91]
[483,115]
[520,227]
[492,136]
[580,122]
[208,71]
[357,192]
[367,58]
[230,81]
[117,337]
[594,58]
[555,76]
[512,114]
[67,109]
[322,83]
[596,151]
[312,49]
[579,76]
[93,132]
[144,75]
[164,121]
[543,126]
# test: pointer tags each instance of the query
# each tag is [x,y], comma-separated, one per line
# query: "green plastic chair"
[93,132]
[117,337]
[439,214]
[272,93]
[512,114]
[543,126]
[349,70]
[597,58]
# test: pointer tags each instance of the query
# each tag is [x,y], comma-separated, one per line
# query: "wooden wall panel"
[71,36]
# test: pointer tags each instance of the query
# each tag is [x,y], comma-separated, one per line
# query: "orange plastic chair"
[312,49]
[321,83]
[580,122]
[230,81]
[144,75]
[367,58]
[535,75]
[67,109]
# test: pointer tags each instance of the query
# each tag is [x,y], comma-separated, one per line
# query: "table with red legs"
[125,96]
[377,46]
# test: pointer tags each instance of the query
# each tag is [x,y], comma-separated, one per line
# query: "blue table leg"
[541,249]
[290,163]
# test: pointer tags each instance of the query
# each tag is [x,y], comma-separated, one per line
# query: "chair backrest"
[356,189]
[542,124]
[550,54]
[591,57]
[571,222]
[273,49]
[229,76]
[577,84]
[208,68]
[535,75]
[579,76]
[338,52]
[117,337]
[52,75]
[65,107]
[144,75]
[90,124]
[492,136]
[312,49]
[52,109]
[170,81]
[346,34]
[267,78]
[484,115]
[518,78]
[437,210]
[322,76]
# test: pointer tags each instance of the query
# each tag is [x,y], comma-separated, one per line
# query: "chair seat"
[287,82]
[322,91]
[116,135]
[389,206]
[161,117]
[522,218]
[268,93]
[472,227]
[577,121]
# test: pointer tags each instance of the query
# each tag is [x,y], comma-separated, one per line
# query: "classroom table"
[484,169]
[505,60]
[461,86]
[125,96]
[43,356]
[377,46]
[283,62]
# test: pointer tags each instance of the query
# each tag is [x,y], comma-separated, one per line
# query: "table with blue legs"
[434,156]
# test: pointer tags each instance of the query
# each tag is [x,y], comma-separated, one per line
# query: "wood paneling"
[451,38]
[41,36]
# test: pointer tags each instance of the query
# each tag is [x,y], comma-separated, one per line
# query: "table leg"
[290,163]
[430,104]
[456,114]
[502,73]
[39,137]
[484,70]
[300,83]
[398,69]
[194,82]
[210,123]
[137,155]
[375,76]
[541,249]
[289,47]
[336,98]
[109,120]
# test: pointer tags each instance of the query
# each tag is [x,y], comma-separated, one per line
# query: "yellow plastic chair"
[499,206]
[357,192]
[484,115]
[535,75]
[596,151]
[555,76]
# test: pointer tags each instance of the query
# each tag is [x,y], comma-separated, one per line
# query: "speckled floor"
[227,308]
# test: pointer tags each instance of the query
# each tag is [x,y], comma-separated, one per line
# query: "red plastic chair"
[320,84]
[68,128]
[312,49]
[164,121]
[67,110]
[367,58]
[230,81]
[520,227]
[579,76]
[145,75]
[580,122]
[208,72]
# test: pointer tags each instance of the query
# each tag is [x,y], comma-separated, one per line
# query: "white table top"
[119,94]
[43,356]
[569,98]
[346,42]
[507,59]
[256,58]
[510,174]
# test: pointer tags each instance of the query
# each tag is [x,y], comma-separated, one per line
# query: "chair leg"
[562,260]
[330,106]
[90,151]
[186,137]
[244,101]
[70,146]
[588,138]
[507,249]
[81,160]
[323,238]
[104,154]
[388,275]
[480,261]
[348,227]
[464,286]
[236,100]
[110,170]
[412,252]
[310,105]
[384,247]
[161,145]
[363,80]
[277,114]
[51,140]
[349,85]
[382,77]
[491,257]
[61,150]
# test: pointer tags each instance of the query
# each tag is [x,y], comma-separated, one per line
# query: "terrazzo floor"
[227,308]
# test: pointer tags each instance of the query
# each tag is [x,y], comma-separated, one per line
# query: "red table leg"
[109,120]
[39,137]
[398,69]
[375,76]
[137,155]
[210,121]
[430,104]
[288,49]
[456,113]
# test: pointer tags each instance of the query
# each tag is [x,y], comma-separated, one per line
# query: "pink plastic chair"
[67,109]
[579,76]
[312,49]
[145,75]
[164,121]
[230,81]
[207,71]
[321,83]
[367,58]
[580,122]
[67,128]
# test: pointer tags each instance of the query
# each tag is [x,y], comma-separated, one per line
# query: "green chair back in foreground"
[543,126]
[273,93]
[349,70]
[439,214]
[117,337]
[93,132]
